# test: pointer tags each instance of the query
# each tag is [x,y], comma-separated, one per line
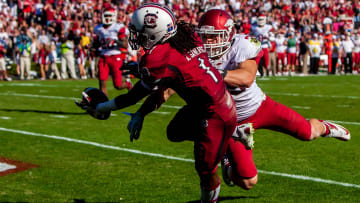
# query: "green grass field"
[82,159]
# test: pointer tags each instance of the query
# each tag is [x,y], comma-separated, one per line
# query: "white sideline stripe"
[37,96]
[309,178]
[164,105]
[5,167]
[161,112]
[59,116]
[313,95]
[40,85]
[172,157]
[94,144]
[345,122]
[300,107]
[273,93]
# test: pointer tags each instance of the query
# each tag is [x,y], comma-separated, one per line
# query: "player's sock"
[210,195]
[326,129]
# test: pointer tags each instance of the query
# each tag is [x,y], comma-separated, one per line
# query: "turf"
[71,171]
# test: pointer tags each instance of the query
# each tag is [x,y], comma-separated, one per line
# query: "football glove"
[135,125]
[132,68]
[91,97]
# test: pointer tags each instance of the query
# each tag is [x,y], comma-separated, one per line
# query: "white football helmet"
[216,29]
[150,24]
[261,20]
[109,16]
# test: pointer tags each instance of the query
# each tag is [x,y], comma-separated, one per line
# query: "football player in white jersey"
[261,32]
[357,53]
[111,36]
[235,56]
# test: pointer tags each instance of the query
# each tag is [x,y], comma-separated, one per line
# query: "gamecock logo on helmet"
[150,20]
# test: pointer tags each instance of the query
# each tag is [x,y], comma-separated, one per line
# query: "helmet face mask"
[139,39]
[216,30]
[109,16]
[215,42]
[261,20]
[151,24]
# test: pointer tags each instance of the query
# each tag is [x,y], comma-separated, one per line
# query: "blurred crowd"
[50,32]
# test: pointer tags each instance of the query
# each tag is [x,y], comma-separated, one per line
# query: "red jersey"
[190,75]
[2,51]
[42,56]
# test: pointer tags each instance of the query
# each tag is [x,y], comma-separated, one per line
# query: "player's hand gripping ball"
[91,97]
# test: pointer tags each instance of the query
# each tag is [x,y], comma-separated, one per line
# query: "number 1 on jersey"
[207,69]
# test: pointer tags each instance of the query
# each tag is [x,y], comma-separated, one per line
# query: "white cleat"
[245,134]
[337,131]
[225,165]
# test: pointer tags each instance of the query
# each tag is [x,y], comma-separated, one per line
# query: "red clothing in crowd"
[246,27]
[50,14]
[2,51]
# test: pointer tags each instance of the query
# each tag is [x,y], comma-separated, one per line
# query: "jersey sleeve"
[123,32]
[97,30]
[153,68]
[246,48]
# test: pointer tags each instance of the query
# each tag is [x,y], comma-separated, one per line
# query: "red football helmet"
[216,29]
[109,16]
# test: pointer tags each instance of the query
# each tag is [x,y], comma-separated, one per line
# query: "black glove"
[84,105]
[132,68]
[135,125]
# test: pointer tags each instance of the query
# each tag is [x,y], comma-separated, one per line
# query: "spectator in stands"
[356,54]
[304,55]
[335,53]
[280,52]
[272,55]
[52,55]
[285,16]
[348,48]
[292,47]
[80,60]
[3,71]
[315,51]
[67,57]
[43,37]
[23,43]
[42,54]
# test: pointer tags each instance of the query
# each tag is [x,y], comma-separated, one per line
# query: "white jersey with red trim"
[247,100]
[108,37]
[280,46]
[357,45]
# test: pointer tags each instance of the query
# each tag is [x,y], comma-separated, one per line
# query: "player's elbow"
[248,82]
[246,183]
[245,82]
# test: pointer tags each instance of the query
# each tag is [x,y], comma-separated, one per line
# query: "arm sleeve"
[152,103]
[137,93]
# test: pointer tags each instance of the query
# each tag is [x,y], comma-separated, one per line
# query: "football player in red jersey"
[111,36]
[235,57]
[175,58]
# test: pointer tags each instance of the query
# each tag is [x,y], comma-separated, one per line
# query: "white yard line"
[314,179]
[312,95]
[301,107]
[164,105]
